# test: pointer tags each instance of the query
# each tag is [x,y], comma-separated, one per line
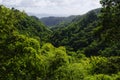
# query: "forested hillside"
[79,33]
[24,24]
[89,34]
[86,49]
[56,21]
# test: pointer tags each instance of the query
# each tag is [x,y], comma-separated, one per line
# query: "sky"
[44,8]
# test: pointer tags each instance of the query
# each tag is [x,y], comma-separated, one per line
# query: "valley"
[81,47]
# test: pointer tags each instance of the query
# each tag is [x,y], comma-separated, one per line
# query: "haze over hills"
[54,21]
[46,15]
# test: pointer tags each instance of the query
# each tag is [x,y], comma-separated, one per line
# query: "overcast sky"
[53,7]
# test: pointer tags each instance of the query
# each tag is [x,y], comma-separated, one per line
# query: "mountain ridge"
[54,21]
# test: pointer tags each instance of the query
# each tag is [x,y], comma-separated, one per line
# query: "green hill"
[24,24]
[78,34]
[89,35]
[55,21]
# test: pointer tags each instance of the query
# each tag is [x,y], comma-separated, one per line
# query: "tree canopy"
[85,49]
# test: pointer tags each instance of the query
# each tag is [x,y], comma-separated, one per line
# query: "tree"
[110,18]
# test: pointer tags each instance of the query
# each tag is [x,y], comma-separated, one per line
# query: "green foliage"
[24,54]
[95,33]
[78,34]
[55,22]
[73,71]
[99,77]
[110,26]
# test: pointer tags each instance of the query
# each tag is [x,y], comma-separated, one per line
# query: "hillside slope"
[54,21]
[24,24]
[78,33]
[90,34]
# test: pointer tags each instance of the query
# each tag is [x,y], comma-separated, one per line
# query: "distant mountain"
[39,15]
[42,15]
[55,21]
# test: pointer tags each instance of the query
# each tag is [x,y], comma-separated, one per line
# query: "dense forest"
[57,21]
[86,48]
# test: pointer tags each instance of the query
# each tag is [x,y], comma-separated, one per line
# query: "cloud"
[0,1]
[10,2]
[68,7]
